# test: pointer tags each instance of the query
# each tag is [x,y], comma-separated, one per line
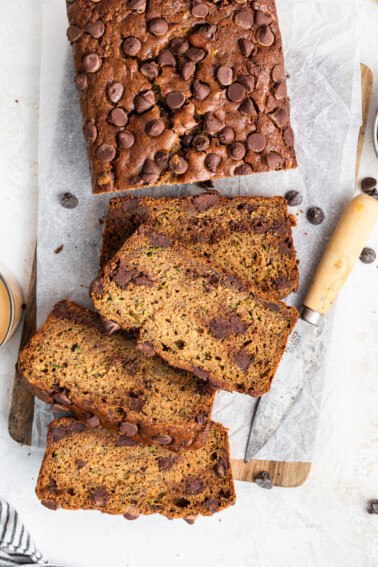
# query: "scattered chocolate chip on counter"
[205,85]
[368,185]
[263,480]
[315,215]
[373,507]
[293,198]
[69,201]
[368,256]
[58,250]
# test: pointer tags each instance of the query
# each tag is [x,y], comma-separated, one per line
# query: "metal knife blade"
[299,362]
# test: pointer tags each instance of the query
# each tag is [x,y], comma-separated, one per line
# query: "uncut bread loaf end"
[89,469]
[248,236]
[195,316]
[81,365]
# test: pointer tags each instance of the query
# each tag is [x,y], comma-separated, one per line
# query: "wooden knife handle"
[353,230]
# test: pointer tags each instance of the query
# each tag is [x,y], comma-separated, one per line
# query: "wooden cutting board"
[22,402]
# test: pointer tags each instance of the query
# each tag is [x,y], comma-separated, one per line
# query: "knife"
[303,355]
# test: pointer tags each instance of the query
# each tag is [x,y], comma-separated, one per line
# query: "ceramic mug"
[10,304]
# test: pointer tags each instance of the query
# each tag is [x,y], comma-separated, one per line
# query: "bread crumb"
[58,250]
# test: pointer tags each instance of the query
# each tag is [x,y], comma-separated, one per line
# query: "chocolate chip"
[56,408]
[162,439]
[95,29]
[367,256]
[243,360]
[200,90]
[263,480]
[219,328]
[224,75]
[293,198]
[90,132]
[115,92]
[50,504]
[158,27]
[154,127]
[208,31]
[99,496]
[280,91]
[247,107]
[186,140]
[236,150]
[165,463]
[246,47]
[80,463]
[274,160]
[175,99]
[150,171]
[62,397]
[220,468]
[211,504]
[193,486]
[195,54]
[211,124]
[73,33]
[93,421]
[262,19]
[373,507]
[179,46]
[144,101]
[236,92]
[187,70]
[105,153]
[125,441]
[138,5]
[256,142]
[156,238]
[131,45]
[136,180]
[58,433]
[232,282]
[149,70]
[265,36]
[199,10]
[125,140]
[136,404]
[81,81]
[288,136]
[161,158]
[178,164]
[244,169]
[76,427]
[96,287]
[190,519]
[247,81]
[91,62]
[128,429]
[212,162]
[69,201]
[205,201]
[166,58]
[201,417]
[244,18]
[237,325]
[118,117]
[133,512]
[315,215]
[226,135]
[200,142]
[199,372]
[278,74]
[368,185]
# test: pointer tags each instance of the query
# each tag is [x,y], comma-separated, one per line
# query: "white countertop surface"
[324,522]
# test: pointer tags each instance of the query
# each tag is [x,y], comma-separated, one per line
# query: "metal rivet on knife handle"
[343,250]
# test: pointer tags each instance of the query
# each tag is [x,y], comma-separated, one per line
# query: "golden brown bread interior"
[248,236]
[194,315]
[103,378]
[92,470]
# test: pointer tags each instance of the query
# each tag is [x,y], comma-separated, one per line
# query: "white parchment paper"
[324,88]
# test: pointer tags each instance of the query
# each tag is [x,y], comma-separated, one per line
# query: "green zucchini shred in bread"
[91,469]
[103,378]
[195,316]
[248,236]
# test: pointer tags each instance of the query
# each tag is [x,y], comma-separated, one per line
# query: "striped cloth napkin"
[16,545]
